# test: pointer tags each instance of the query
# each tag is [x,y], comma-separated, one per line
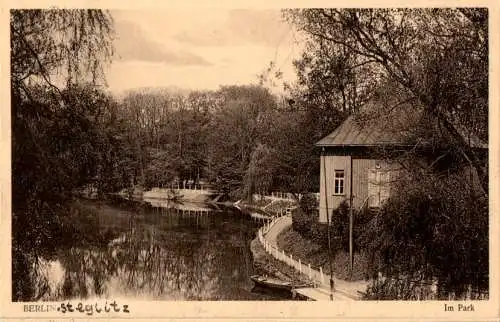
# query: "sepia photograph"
[213,154]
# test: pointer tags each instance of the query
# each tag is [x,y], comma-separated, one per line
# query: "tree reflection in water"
[159,254]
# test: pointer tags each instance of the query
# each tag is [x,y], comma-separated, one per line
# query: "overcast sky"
[198,49]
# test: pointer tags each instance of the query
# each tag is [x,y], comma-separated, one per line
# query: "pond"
[159,251]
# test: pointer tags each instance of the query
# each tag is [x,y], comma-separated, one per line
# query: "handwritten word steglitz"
[89,309]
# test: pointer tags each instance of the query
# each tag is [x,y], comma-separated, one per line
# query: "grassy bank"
[266,264]
[317,255]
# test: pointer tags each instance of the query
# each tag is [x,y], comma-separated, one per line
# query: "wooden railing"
[314,274]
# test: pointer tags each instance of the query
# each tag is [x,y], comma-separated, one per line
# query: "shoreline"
[266,264]
[283,268]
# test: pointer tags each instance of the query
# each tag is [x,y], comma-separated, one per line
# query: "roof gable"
[379,124]
[350,133]
[376,124]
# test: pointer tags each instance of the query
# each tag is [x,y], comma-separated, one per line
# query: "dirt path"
[281,224]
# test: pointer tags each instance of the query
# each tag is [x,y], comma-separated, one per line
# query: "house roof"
[376,124]
[351,133]
[394,127]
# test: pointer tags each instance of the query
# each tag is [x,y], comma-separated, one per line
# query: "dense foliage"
[174,138]
[438,57]
[305,221]
[435,230]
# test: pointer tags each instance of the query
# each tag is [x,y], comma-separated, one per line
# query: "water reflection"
[168,252]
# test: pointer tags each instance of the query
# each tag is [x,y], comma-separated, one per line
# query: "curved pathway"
[344,290]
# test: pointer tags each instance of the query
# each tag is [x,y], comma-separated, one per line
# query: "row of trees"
[242,139]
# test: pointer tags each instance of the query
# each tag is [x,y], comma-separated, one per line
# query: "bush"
[340,226]
[435,229]
[302,221]
[405,288]
[319,233]
[305,220]
[308,203]
[307,224]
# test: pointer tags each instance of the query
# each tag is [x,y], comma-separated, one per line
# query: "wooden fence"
[314,274]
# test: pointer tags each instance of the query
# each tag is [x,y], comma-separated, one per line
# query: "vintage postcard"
[242,161]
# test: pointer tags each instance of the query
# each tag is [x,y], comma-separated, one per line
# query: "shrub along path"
[317,254]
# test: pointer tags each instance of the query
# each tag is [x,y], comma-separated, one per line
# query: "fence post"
[283,255]
[321,275]
[310,271]
[291,261]
[300,266]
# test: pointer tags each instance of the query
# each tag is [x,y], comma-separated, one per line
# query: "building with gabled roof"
[356,162]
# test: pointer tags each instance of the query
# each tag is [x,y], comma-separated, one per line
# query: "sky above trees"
[199,49]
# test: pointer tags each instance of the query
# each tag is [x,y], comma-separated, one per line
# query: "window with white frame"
[339,182]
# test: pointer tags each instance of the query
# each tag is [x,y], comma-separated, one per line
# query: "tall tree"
[439,56]
[241,123]
[50,48]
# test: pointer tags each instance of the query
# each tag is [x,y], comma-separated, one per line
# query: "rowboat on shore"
[270,282]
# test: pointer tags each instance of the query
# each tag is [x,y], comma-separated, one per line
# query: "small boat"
[275,283]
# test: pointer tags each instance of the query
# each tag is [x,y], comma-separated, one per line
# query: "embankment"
[311,252]
[191,195]
[265,264]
